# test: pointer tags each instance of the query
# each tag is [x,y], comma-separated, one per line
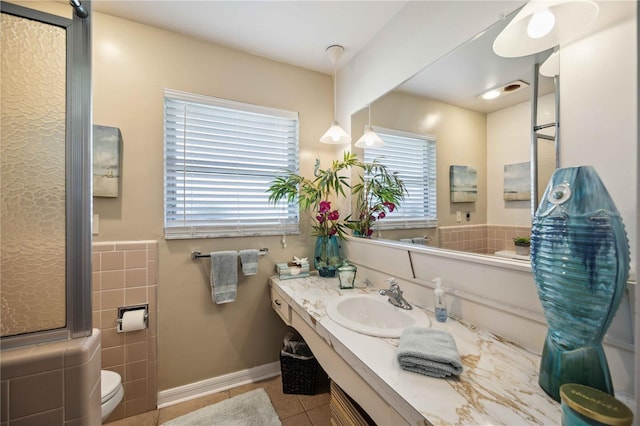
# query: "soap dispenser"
[440,302]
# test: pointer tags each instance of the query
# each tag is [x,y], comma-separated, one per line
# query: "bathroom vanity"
[499,384]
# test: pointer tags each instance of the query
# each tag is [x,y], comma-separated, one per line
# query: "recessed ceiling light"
[511,87]
[491,94]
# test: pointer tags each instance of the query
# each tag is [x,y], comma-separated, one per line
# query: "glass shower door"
[32,176]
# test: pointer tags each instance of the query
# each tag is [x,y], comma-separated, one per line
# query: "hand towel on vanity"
[249,261]
[224,276]
[430,352]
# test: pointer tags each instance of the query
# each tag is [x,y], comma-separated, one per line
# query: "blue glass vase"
[327,256]
[580,262]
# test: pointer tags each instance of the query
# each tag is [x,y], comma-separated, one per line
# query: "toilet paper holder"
[123,309]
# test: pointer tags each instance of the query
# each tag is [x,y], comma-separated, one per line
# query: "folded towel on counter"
[249,261]
[224,276]
[430,352]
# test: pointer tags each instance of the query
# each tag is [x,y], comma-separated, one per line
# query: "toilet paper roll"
[133,320]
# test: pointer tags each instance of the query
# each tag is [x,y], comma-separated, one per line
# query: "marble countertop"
[499,384]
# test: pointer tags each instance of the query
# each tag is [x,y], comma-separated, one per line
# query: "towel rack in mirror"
[196,254]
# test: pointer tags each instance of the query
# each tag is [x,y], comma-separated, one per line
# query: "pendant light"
[336,134]
[543,24]
[369,139]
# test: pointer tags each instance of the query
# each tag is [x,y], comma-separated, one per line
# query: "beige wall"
[508,142]
[132,64]
[460,140]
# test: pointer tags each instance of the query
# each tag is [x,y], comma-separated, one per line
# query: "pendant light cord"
[335,93]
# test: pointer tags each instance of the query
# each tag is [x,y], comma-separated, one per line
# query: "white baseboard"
[217,384]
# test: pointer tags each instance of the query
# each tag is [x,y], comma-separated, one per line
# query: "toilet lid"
[111,381]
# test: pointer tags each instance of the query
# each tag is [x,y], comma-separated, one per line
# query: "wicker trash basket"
[298,366]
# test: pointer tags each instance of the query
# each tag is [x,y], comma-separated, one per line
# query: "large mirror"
[489,139]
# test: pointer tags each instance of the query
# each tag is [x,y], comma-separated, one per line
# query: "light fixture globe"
[335,135]
[369,139]
[543,24]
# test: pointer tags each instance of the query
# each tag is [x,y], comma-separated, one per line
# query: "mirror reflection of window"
[413,157]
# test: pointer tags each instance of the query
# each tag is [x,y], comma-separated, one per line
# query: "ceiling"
[472,69]
[293,32]
[298,33]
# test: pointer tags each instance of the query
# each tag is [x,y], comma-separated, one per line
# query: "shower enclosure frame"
[78,159]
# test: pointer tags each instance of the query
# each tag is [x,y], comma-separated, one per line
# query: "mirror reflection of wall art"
[106,160]
[463,183]
[517,181]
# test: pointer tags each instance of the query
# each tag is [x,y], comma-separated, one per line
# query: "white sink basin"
[373,315]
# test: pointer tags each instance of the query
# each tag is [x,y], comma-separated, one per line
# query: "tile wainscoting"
[126,273]
[483,239]
[51,383]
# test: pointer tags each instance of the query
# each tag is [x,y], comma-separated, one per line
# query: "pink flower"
[333,231]
[325,206]
[320,218]
[390,206]
[334,215]
[369,232]
[381,215]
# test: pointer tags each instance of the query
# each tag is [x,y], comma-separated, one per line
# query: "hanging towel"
[429,352]
[224,276]
[249,261]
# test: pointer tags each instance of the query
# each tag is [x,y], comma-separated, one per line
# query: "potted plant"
[522,245]
[378,192]
[313,195]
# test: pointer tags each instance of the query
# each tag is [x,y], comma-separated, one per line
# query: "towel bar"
[196,254]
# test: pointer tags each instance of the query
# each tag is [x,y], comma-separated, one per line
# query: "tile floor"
[293,410]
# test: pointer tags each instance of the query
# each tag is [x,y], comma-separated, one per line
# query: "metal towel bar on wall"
[196,254]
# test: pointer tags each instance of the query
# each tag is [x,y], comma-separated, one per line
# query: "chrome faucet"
[395,294]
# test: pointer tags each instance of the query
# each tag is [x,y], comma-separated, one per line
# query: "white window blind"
[220,158]
[413,157]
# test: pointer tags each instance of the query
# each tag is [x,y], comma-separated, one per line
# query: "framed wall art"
[463,184]
[517,181]
[107,143]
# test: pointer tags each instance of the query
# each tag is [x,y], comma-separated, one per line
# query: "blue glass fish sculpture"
[580,262]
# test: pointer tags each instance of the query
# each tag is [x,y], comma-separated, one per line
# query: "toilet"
[111,391]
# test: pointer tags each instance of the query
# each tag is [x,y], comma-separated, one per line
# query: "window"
[413,157]
[220,158]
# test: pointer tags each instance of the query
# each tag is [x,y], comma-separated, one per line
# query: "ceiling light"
[511,87]
[335,134]
[543,24]
[369,139]
[491,94]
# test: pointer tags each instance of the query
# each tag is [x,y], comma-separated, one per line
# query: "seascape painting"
[106,161]
[463,184]
[517,181]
